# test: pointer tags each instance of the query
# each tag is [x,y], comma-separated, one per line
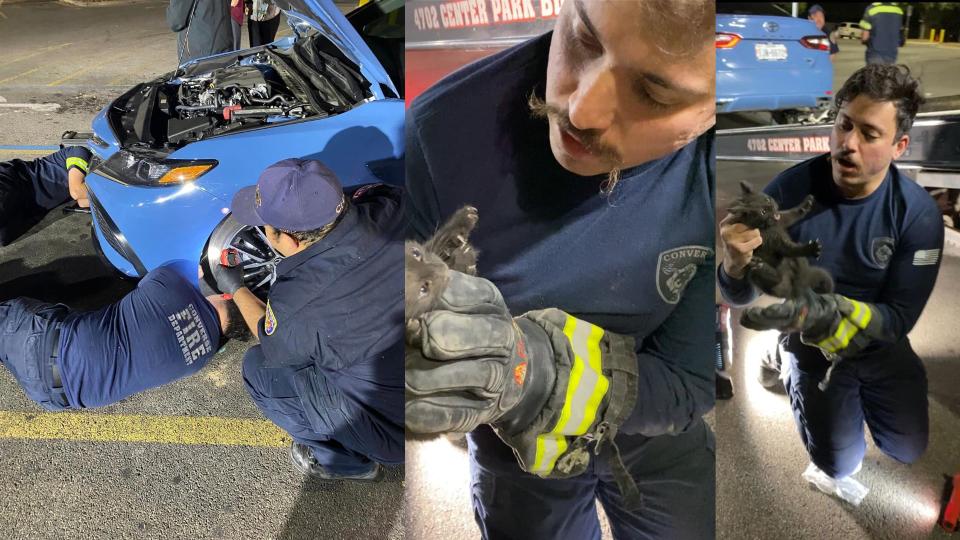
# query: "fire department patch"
[269,321]
[881,250]
[675,268]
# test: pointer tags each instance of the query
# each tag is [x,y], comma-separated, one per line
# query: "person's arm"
[676,364]
[912,273]
[421,206]
[252,309]
[78,187]
[866,24]
[178,14]
[77,161]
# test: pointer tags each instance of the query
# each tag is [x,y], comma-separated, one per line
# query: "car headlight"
[127,168]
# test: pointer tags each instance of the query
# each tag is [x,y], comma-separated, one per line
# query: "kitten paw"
[815,248]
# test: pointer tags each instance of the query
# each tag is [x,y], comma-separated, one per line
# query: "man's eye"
[648,98]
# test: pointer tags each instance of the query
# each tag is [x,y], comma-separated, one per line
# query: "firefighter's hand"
[229,278]
[78,187]
[466,362]
[739,242]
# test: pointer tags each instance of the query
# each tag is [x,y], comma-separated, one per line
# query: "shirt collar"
[328,242]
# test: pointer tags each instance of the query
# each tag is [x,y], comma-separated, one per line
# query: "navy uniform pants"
[27,348]
[275,392]
[675,474]
[886,390]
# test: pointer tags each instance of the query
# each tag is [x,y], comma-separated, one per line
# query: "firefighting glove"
[548,383]
[468,363]
[841,327]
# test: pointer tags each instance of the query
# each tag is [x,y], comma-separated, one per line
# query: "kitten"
[426,265]
[779,266]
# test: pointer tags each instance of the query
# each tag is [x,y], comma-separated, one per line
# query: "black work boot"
[304,462]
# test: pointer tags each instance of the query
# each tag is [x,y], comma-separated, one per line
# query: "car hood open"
[324,17]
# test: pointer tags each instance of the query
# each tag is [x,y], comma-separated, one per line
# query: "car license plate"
[770,51]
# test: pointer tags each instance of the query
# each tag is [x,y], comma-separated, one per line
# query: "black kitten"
[779,266]
[426,265]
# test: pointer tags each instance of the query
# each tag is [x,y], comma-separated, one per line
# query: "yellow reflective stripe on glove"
[585,391]
[79,163]
[849,325]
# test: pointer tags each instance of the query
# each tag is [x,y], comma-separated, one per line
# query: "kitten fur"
[779,266]
[426,265]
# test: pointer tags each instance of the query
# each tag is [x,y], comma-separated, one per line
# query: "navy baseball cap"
[293,195]
[815,8]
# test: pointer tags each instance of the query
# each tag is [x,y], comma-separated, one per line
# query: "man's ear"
[290,240]
[901,146]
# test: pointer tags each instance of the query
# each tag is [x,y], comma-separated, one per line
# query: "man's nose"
[850,141]
[593,105]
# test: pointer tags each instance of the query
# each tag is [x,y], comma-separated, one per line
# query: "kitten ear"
[745,187]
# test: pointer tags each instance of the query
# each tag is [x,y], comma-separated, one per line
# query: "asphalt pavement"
[193,459]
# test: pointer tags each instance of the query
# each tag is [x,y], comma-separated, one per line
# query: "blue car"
[773,63]
[170,153]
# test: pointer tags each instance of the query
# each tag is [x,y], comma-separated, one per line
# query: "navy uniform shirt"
[883,20]
[337,310]
[883,249]
[30,189]
[636,263]
[48,175]
[161,331]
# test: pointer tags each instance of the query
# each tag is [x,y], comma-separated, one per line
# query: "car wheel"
[258,259]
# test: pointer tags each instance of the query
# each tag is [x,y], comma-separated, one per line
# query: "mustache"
[842,154]
[589,138]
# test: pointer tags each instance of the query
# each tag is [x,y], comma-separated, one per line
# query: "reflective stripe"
[865,25]
[848,328]
[884,9]
[79,163]
[585,390]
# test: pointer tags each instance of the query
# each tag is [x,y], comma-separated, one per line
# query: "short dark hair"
[315,235]
[236,325]
[885,82]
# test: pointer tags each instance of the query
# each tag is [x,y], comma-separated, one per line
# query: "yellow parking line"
[58,82]
[8,79]
[35,53]
[85,426]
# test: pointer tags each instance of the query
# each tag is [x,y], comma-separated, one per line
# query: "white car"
[849,30]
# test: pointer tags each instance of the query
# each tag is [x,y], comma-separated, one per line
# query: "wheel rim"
[258,259]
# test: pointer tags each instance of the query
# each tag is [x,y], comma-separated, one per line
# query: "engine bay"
[257,87]
[227,97]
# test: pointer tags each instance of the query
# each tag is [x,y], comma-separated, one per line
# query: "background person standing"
[262,23]
[819,18]
[203,26]
[881,23]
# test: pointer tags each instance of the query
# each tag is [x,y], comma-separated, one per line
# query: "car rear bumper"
[770,103]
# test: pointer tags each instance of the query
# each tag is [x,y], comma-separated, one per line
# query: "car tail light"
[727,41]
[820,43]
